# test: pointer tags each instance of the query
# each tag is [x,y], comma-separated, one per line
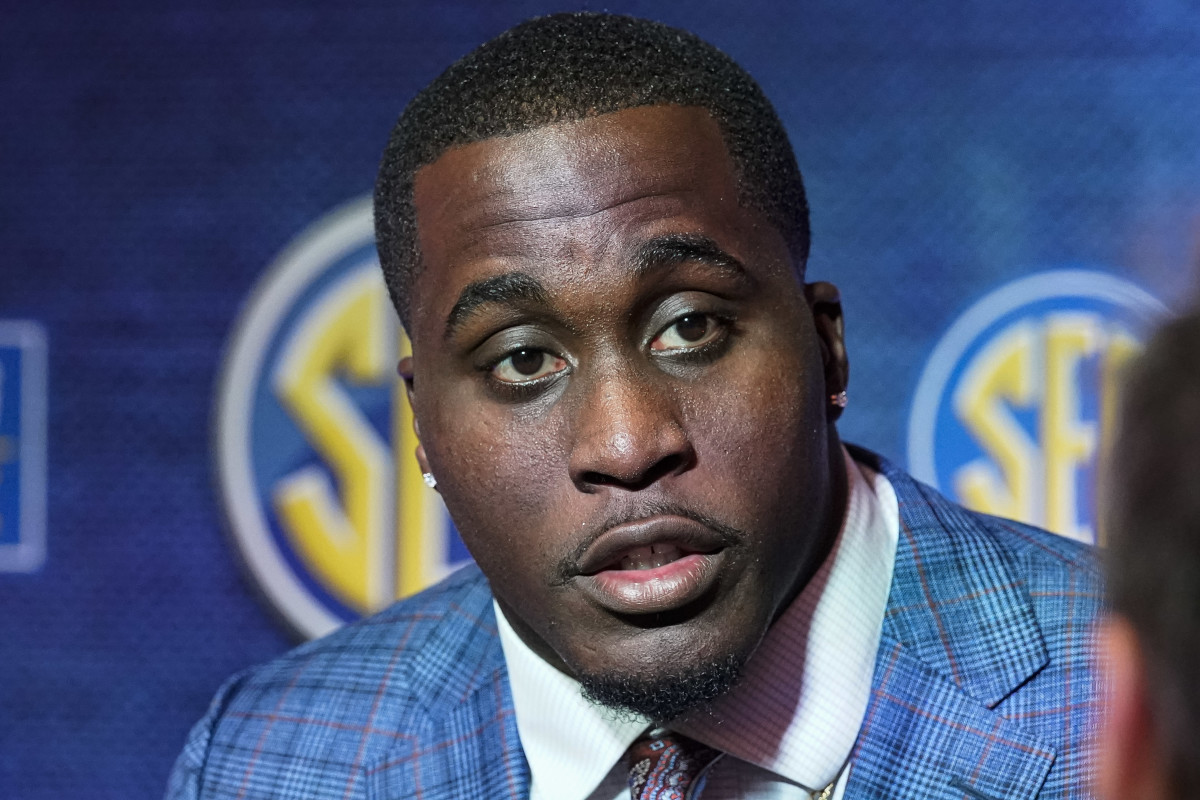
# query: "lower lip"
[653,591]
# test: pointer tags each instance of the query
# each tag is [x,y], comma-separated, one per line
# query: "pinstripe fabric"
[982,686]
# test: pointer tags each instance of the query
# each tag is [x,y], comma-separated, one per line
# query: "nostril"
[671,464]
[675,463]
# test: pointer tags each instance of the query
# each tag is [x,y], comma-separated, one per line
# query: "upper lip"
[685,533]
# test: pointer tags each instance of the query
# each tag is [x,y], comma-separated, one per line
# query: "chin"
[667,693]
[665,672]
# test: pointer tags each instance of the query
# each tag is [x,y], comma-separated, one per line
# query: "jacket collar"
[977,626]
[466,744]
[959,637]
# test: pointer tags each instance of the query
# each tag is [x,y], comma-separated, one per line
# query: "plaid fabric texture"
[983,685]
[412,702]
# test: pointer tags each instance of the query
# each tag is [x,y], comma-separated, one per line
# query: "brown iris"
[692,327]
[528,362]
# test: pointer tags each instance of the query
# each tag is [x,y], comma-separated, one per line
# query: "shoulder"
[968,587]
[941,524]
[1011,562]
[342,701]
[1006,612]
[1050,564]
[1063,582]
[454,615]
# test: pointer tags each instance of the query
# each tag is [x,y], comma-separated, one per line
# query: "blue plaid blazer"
[983,685]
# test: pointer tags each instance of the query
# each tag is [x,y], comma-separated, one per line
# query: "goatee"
[664,696]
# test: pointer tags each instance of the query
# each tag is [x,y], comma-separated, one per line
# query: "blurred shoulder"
[454,614]
[319,714]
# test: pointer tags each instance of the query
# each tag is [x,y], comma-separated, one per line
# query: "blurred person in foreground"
[1150,745]
[595,233]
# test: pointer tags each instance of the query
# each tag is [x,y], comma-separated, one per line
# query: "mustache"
[568,567]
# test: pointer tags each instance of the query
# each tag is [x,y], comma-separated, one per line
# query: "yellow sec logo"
[1017,401]
[313,438]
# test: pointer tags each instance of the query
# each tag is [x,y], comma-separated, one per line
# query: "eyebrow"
[665,251]
[509,287]
[656,253]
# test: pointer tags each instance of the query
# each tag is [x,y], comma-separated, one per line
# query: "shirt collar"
[569,742]
[800,703]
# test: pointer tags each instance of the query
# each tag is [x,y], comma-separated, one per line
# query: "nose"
[629,432]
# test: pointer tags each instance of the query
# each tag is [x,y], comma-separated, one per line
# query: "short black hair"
[1153,529]
[568,67]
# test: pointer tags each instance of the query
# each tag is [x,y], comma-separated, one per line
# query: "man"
[595,232]
[1152,638]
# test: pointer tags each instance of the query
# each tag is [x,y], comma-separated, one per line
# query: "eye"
[689,332]
[527,365]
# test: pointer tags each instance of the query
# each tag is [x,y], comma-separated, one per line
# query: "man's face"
[620,387]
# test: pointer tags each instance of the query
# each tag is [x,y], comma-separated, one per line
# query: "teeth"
[655,555]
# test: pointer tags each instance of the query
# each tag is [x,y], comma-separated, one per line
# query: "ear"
[1129,759]
[405,368]
[825,302]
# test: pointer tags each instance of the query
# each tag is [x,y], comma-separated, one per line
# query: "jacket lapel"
[466,745]
[959,637]
[474,751]
[923,737]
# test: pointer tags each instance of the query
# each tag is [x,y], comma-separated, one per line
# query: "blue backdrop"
[156,158]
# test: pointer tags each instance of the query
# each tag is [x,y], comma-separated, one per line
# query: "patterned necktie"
[664,765]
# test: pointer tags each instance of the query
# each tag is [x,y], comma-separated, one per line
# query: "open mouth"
[651,566]
[649,557]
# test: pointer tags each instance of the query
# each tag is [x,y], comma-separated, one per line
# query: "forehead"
[557,199]
[553,169]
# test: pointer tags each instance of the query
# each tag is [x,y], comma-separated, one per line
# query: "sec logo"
[1016,403]
[313,437]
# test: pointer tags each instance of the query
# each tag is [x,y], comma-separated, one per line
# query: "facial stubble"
[664,696]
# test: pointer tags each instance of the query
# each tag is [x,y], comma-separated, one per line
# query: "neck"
[830,517]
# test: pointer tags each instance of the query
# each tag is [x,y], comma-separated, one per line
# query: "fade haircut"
[567,67]
[1153,527]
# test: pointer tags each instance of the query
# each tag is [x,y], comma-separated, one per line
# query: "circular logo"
[314,440]
[1015,405]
